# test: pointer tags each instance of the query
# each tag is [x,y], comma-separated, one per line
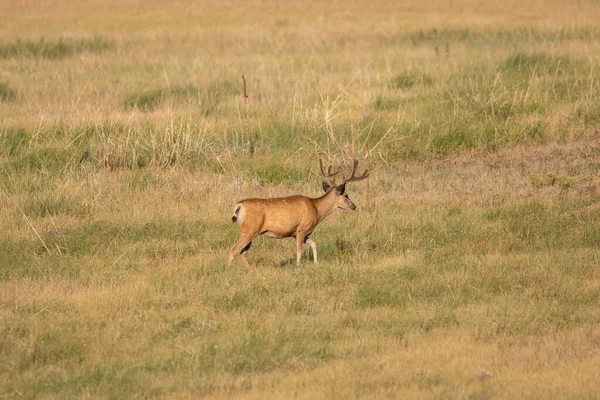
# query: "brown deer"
[293,216]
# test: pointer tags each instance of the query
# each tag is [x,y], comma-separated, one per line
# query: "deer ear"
[326,187]
[341,189]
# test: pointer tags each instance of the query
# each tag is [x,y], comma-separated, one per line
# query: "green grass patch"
[525,64]
[53,205]
[209,97]
[7,93]
[92,237]
[54,49]
[270,170]
[13,140]
[53,349]
[15,256]
[386,103]
[494,105]
[40,158]
[263,351]
[374,296]
[479,37]
[150,99]
[112,145]
[408,80]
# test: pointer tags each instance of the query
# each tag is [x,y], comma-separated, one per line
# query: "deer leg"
[299,245]
[244,254]
[313,246]
[241,246]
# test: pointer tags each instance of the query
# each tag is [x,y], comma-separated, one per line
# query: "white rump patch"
[239,212]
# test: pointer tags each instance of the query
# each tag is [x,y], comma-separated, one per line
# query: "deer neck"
[324,205]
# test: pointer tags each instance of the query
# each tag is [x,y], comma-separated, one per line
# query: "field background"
[472,272]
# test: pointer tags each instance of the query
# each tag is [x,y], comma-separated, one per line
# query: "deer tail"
[236,213]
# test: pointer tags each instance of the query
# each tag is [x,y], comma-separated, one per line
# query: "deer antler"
[329,175]
[353,177]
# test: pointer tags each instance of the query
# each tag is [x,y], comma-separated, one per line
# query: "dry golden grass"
[473,275]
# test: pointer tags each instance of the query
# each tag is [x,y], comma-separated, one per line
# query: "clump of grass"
[541,63]
[12,140]
[7,93]
[54,49]
[588,114]
[407,80]
[386,103]
[146,100]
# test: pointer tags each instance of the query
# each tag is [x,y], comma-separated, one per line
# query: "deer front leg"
[313,246]
[299,245]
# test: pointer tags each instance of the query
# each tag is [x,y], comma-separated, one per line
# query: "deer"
[293,216]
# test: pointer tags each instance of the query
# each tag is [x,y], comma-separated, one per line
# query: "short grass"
[470,269]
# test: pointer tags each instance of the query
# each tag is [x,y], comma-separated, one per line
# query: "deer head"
[341,197]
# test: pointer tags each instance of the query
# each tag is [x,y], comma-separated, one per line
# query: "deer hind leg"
[244,254]
[313,246]
[240,247]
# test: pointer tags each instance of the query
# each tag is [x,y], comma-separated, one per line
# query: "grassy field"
[473,272]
